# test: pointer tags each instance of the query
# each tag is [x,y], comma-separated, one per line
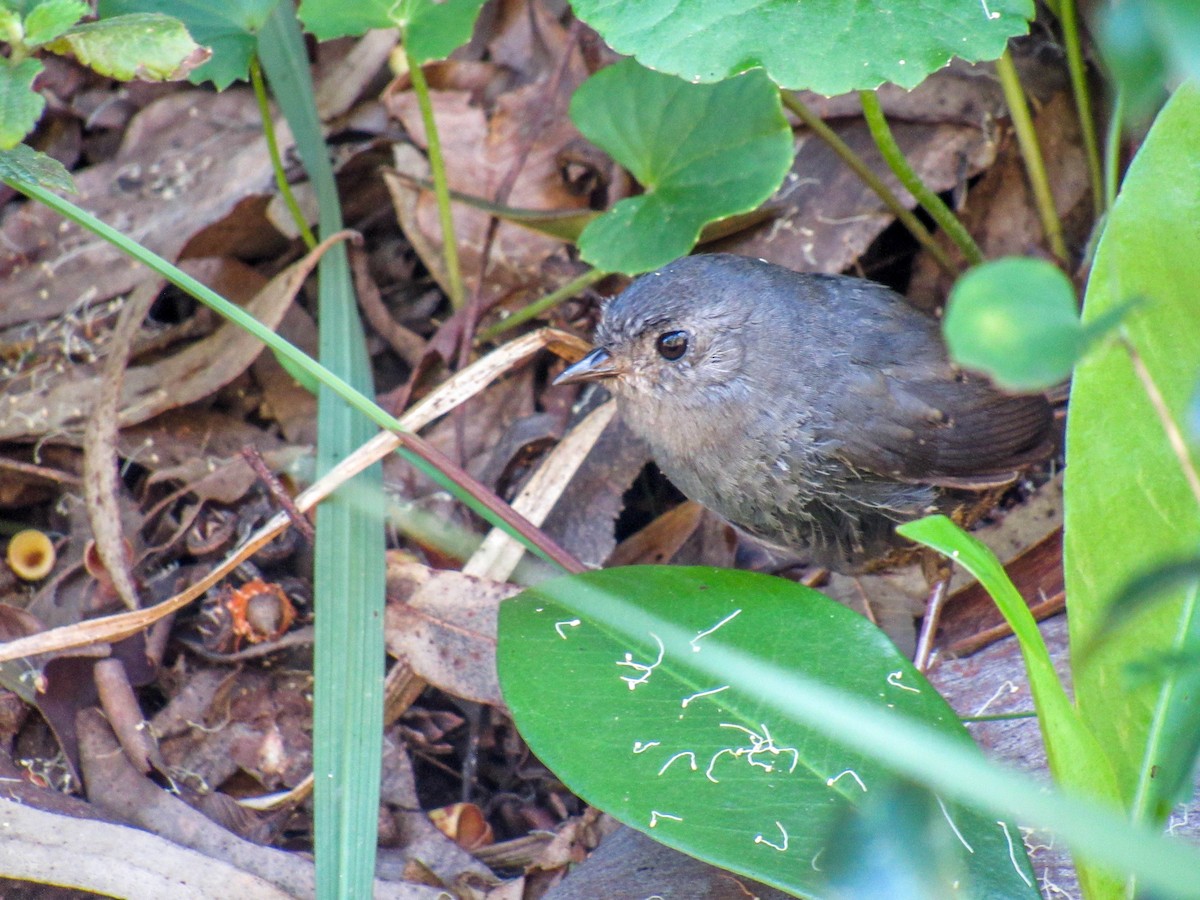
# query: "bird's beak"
[595,366]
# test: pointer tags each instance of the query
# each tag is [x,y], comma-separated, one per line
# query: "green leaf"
[433,30]
[896,846]
[11,29]
[1076,759]
[20,105]
[1149,44]
[701,151]
[23,163]
[348,580]
[328,19]
[148,46]
[1017,320]
[430,29]
[1128,506]
[828,46]
[628,717]
[230,29]
[48,20]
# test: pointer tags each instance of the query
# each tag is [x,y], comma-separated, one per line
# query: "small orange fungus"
[31,554]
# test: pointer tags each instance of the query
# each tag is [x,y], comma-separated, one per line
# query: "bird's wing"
[939,426]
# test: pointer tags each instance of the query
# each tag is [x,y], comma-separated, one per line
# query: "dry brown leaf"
[829,217]
[100,459]
[61,407]
[479,153]
[187,161]
[658,542]
[443,624]
[499,554]
[585,521]
[1000,211]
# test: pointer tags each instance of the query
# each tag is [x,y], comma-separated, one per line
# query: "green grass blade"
[349,570]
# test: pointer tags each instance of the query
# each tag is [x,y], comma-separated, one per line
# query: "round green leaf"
[828,46]
[20,105]
[230,29]
[48,20]
[614,698]
[1017,320]
[149,46]
[701,151]
[431,29]
[328,19]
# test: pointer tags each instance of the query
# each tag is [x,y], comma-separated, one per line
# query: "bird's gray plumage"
[814,411]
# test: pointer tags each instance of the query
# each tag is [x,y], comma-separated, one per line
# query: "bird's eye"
[672,344]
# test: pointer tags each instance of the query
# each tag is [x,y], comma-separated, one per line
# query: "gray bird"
[813,411]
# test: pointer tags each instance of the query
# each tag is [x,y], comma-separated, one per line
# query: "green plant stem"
[817,126]
[1069,17]
[242,319]
[999,717]
[441,188]
[1035,166]
[930,202]
[281,182]
[570,289]
[1170,427]
[1112,150]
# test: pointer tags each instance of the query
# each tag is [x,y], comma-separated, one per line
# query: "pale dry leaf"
[443,624]
[499,554]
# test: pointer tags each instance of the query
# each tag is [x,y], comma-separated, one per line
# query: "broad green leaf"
[48,20]
[1128,506]
[430,29]
[23,163]
[148,46]
[828,46]
[230,29]
[11,29]
[633,723]
[1017,320]
[433,30]
[701,151]
[20,105]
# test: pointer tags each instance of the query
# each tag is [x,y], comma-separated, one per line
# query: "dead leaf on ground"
[444,625]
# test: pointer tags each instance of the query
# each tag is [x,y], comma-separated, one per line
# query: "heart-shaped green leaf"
[701,151]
